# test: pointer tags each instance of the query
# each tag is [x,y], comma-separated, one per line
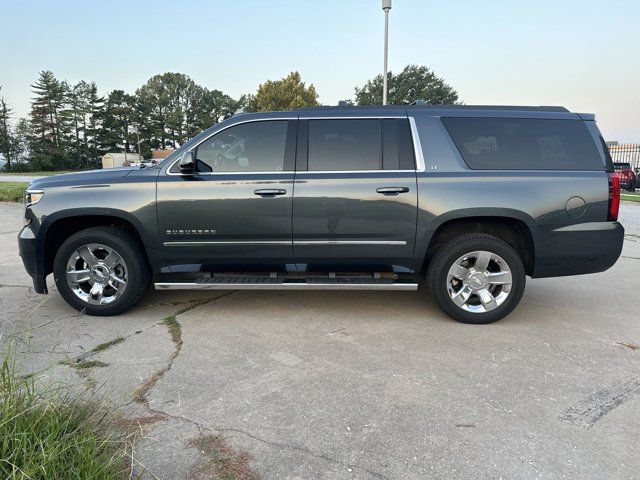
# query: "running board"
[287,285]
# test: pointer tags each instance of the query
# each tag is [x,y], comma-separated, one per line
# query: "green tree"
[215,107]
[119,122]
[167,105]
[412,83]
[50,122]
[172,108]
[287,93]
[22,134]
[6,136]
[84,109]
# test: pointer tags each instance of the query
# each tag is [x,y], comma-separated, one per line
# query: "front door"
[235,213]
[355,201]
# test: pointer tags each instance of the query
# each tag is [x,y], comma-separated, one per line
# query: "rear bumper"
[33,264]
[579,249]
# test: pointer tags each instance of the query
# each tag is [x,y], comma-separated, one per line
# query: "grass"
[12,191]
[106,345]
[223,462]
[630,197]
[174,330]
[55,435]
[84,364]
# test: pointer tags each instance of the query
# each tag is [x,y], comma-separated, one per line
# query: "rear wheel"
[101,271]
[476,278]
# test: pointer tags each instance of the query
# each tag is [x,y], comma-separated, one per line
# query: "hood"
[87,177]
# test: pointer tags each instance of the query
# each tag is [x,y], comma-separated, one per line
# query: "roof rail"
[428,106]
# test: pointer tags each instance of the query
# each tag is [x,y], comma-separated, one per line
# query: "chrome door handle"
[270,192]
[392,190]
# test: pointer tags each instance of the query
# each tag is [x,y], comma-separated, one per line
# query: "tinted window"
[524,144]
[397,145]
[344,145]
[249,147]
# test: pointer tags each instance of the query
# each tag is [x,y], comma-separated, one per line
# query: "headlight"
[31,197]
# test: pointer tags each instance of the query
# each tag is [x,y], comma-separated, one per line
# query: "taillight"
[614,196]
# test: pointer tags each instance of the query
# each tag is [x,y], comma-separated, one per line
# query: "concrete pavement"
[359,385]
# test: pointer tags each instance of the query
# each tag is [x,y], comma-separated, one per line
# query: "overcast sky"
[584,55]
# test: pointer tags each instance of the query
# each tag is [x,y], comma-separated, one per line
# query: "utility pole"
[386,6]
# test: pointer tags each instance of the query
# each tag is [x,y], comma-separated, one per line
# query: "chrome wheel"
[96,274]
[479,281]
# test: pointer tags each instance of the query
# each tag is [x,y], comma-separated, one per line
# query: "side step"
[225,282]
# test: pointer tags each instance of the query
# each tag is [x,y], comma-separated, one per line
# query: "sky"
[584,55]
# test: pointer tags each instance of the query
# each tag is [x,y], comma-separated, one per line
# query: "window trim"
[302,134]
[252,120]
[302,156]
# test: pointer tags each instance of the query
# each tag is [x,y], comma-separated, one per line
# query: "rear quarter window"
[524,144]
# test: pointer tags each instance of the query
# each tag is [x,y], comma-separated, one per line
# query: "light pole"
[386,6]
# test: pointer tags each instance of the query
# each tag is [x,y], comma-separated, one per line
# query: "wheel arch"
[55,229]
[512,226]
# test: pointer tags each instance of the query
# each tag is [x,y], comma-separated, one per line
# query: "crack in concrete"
[159,415]
[201,427]
[140,395]
[305,451]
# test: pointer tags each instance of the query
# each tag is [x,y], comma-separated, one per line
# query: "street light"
[386,6]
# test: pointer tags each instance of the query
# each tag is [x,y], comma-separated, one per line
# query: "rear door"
[355,196]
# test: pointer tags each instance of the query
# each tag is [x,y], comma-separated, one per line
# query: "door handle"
[392,190]
[270,192]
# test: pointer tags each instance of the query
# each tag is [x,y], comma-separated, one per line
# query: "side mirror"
[187,164]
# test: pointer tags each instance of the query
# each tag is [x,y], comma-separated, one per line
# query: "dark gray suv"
[469,199]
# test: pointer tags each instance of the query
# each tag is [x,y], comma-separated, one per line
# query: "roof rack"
[440,107]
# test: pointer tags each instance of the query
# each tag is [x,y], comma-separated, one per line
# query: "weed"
[106,345]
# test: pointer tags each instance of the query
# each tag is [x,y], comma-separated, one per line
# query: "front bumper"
[578,249]
[32,258]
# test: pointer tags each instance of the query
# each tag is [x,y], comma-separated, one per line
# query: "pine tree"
[6,136]
[50,122]
[118,122]
[84,108]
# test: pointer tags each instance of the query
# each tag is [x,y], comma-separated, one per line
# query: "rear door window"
[524,144]
[345,145]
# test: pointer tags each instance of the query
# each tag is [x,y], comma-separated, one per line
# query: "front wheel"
[476,278]
[101,271]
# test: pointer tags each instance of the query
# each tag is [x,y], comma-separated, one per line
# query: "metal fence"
[626,152]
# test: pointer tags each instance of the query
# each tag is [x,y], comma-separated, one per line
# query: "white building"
[114,160]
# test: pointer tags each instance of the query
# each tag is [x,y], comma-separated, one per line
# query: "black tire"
[131,251]
[632,187]
[457,247]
